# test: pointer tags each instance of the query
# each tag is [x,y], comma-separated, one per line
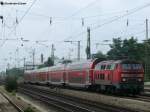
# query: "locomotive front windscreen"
[131,66]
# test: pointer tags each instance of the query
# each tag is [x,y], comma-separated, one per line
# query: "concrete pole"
[78,50]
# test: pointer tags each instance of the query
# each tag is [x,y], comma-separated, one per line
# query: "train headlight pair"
[124,79]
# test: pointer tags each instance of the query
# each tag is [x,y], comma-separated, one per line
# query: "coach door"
[64,77]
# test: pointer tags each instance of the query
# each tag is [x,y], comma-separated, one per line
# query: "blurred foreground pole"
[88,48]
[147,77]
[52,52]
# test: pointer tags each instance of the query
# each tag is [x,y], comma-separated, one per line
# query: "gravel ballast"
[140,106]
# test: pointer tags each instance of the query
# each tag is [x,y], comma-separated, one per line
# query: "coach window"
[112,67]
[103,67]
[98,67]
[108,67]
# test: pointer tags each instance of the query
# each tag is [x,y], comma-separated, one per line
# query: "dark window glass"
[103,67]
[126,66]
[132,66]
[108,67]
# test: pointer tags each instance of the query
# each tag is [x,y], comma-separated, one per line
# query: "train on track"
[123,76]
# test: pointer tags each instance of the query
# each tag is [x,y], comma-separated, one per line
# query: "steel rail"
[12,103]
[143,98]
[68,107]
[89,104]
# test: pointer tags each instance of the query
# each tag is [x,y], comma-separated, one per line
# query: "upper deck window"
[112,67]
[105,67]
[100,67]
[131,66]
[108,67]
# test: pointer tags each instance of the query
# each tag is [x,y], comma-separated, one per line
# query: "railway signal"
[147,77]
[1,17]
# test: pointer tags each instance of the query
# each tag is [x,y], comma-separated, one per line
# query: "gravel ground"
[116,101]
[100,98]
[24,101]
[18,101]
[37,104]
[5,106]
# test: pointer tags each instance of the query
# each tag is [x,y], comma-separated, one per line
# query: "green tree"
[131,49]
[48,63]
[127,48]
[116,48]
[146,59]
[99,54]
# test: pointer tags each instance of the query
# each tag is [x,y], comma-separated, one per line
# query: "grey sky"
[35,26]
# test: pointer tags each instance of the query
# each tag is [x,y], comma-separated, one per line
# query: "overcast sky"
[67,25]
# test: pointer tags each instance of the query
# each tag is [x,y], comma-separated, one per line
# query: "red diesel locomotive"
[112,75]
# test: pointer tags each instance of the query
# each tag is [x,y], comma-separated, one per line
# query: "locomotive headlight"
[139,79]
[124,79]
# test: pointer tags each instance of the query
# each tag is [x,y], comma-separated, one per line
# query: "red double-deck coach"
[111,75]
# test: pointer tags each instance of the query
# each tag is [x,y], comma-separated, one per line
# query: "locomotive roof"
[119,61]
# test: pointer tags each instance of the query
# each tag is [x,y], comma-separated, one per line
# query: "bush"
[11,80]
[29,109]
[11,84]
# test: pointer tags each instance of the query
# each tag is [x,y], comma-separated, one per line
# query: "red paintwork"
[80,73]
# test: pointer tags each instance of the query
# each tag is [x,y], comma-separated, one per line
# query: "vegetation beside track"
[29,109]
[12,76]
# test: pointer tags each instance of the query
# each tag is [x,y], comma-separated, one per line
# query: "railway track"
[143,98]
[67,103]
[12,103]
[147,89]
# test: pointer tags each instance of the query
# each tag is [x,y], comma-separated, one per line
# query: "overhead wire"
[73,18]
[112,20]
[129,13]
[78,11]
[133,34]
[21,19]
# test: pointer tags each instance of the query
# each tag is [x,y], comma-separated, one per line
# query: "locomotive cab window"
[131,66]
